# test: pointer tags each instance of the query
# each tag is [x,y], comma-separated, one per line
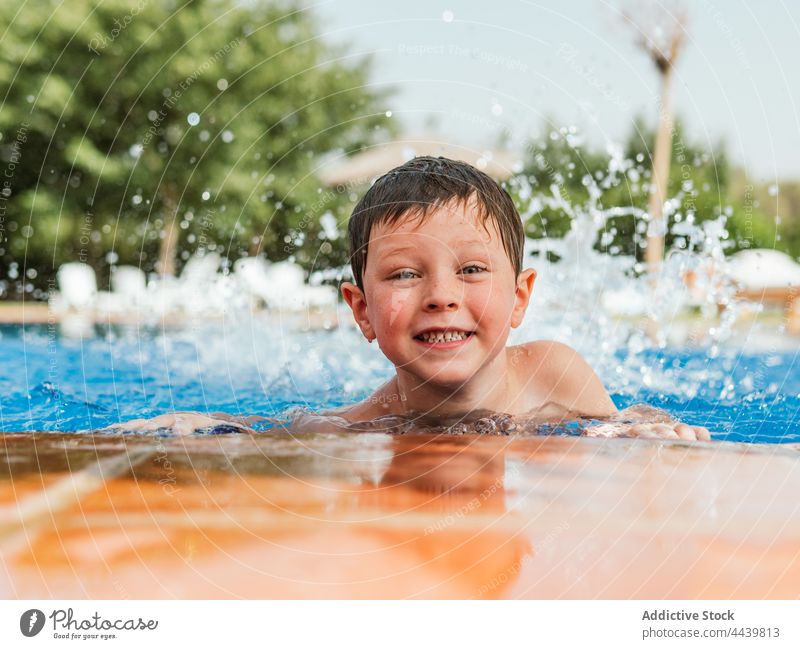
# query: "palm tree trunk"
[169,236]
[662,155]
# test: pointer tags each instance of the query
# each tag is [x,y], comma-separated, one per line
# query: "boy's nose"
[442,296]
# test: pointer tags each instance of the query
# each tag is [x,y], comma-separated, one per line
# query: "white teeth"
[443,336]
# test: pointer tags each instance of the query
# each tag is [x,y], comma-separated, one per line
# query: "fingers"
[686,432]
[695,433]
[188,423]
[671,431]
[133,424]
[640,430]
[180,423]
[703,433]
[183,425]
[666,431]
[654,431]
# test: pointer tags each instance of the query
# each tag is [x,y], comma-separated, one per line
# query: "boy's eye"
[472,269]
[404,274]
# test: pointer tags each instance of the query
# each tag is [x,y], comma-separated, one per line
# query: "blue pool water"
[50,382]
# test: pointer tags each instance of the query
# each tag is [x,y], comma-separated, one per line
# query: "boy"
[436,251]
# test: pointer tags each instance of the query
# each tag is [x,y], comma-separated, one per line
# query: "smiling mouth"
[442,336]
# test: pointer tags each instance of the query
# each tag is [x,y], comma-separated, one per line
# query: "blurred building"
[362,168]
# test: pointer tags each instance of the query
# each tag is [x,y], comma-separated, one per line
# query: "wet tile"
[408,516]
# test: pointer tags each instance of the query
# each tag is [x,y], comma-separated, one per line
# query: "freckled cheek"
[492,310]
[481,299]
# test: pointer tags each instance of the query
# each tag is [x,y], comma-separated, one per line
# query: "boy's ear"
[523,292]
[354,297]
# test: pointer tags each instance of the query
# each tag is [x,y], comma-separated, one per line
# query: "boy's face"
[440,294]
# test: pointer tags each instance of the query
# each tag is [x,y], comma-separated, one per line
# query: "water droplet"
[206,195]
[222,84]
[447,16]
[227,136]
[193,119]
[388,113]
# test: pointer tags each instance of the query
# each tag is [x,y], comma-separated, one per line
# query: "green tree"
[154,128]
[699,188]
[765,215]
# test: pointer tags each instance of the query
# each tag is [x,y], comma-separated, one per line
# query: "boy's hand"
[664,430]
[672,430]
[181,423]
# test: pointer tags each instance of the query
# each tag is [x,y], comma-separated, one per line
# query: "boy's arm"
[573,383]
[577,386]
[185,423]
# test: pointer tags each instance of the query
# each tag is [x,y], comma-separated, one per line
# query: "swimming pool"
[744,391]
[373,515]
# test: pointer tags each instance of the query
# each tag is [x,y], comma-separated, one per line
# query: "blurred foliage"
[702,186]
[120,115]
[768,214]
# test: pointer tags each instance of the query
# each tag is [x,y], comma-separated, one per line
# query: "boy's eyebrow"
[398,249]
[463,243]
[470,242]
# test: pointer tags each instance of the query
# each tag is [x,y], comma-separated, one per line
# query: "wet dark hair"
[424,184]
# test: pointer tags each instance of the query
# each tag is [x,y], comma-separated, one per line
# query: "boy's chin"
[447,378]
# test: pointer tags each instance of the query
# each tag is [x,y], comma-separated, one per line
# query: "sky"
[474,69]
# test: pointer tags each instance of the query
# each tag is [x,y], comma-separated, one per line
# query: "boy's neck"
[488,390]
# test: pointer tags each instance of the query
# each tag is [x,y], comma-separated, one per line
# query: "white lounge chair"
[77,286]
[128,292]
[163,296]
[285,289]
[199,275]
[281,285]
[129,282]
[201,267]
[251,273]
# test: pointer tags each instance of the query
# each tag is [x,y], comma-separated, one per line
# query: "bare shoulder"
[381,402]
[544,352]
[568,379]
[547,359]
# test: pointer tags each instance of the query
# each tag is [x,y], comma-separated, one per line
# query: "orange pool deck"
[376,516]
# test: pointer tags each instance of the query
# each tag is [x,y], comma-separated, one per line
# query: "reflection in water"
[470,537]
[368,515]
